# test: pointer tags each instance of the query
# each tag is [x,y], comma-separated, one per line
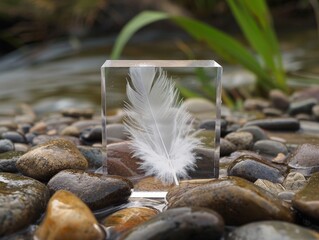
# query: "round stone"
[6,145]
[200,108]
[242,140]
[8,161]
[94,155]
[252,104]
[236,200]
[226,147]
[257,132]
[67,217]
[44,161]
[279,99]
[270,147]
[180,223]
[22,202]
[96,190]
[14,137]
[93,134]
[294,181]
[303,106]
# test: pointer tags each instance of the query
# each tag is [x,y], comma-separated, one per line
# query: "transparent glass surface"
[192,79]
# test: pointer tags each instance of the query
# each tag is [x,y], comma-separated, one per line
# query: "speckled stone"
[200,108]
[125,219]
[294,181]
[22,201]
[94,155]
[67,217]
[238,201]
[242,140]
[96,190]
[272,230]
[180,223]
[307,199]
[274,188]
[46,160]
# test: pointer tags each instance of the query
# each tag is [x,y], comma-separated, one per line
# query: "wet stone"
[274,188]
[251,169]
[6,145]
[238,201]
[294,181]
[94,156]
[279,99]
[307,199]
[270,147]
[78,113]
[96,190]
[272,230]
[305,159]
[226,147]
[242,140]
[125,219]
[22,201]
[180,223]
[257,132]
[276,124]
[303,106]
[8,161]
[44,161]
[93,134]
[67,217]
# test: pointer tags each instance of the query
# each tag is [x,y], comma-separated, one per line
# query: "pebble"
[125,219]
[279,99]
[303,106]
[257,132]
[78,113]
[272,112]
[305,159]
[8,161]
[43,139]
[226,147]
[252,104]
[92,135]
[150,184]
[96,190]
[210,125]
[21,147]
[307,199]
[44,161]
[70,131]
[272,230]
[238,201]
[180,223]
[200,108]
[270,148]
[294,181]
[274,188]
[67,217]
[251,169]
[6,145]
[94,155]
[242,140]
[22,201]
[276,124]
[39,128]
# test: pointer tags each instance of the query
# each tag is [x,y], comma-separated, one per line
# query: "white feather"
[159,125]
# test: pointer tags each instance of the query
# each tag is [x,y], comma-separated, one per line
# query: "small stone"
[77,113]
[280,158]
[272,112]
[8,161]
[305,159]
[46,160]
[94,155]
[226,147]
[14,137]
[180,223]
[257,132]
[210,124]
[125,219]
[67,217]
[43,139]
[70,131]
[85,124]
[6,145]
[251,168]
[96,190]
[307,199]
[242,140]
[274,188]
[270,148]
[279,99]
[303,106]
[20,147]
[276,124]
[200,108]
[151,184]
[255,104]
[272,230]
[93,134]
[294,181]
[22,202]
[39,128]
[236,200]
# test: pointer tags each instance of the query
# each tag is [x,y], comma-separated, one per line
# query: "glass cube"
[161,121]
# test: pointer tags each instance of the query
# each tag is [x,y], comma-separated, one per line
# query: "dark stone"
[270,147]
[44,161]
[226,147]
[22,201]
[272,112]
[238,201]
[210,125]
[251,169]
[94,155]
[14,137]
[305,159]
[272,230]
[276,124]
[8,161]
[77,113]
[303,106]
[257,132]
[96,190]
[93,134]
[180,223]
[307,199]
[279,99]
[6,145]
